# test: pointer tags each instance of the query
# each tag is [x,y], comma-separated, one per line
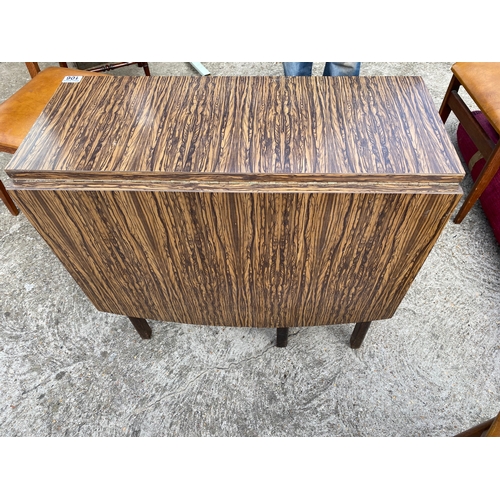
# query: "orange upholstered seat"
[482,83]
[20,111]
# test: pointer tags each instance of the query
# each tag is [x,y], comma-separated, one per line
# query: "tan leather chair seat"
[20,111]
[482,83]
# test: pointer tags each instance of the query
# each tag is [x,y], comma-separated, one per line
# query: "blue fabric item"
[331,68]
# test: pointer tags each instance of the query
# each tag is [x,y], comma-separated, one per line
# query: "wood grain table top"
[230,129]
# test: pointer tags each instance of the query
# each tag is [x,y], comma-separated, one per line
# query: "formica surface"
[240,127]
[271,253]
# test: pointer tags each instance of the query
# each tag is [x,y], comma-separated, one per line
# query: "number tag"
[72,79]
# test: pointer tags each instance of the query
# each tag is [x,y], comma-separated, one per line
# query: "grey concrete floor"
[67,369]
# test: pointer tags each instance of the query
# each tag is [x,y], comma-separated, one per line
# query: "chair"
[4,196]
[20,111]
[490,428]
[34,68]
[482,83]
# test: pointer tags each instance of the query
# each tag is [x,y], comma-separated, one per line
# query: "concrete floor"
[67,369]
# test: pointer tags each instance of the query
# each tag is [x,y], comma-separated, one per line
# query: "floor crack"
[191,382]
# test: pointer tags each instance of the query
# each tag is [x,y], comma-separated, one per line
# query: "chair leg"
[445,109]
[489,170]
[5,197]
[145,67]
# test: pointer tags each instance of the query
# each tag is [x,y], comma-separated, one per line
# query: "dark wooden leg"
[445,110]
[358,334]
[145,67]
[142,327]
[489,171]
[5,197]
[282,337]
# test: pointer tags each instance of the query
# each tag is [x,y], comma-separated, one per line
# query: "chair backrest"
[33,68]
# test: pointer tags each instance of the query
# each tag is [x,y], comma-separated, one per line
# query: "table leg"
[142,327]
[282,337]
[358,334]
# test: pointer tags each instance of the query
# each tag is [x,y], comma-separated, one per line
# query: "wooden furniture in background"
[490,428]
[266,202]
[117,65]
[19,112]
[482,83]
[34,68]
[9,203]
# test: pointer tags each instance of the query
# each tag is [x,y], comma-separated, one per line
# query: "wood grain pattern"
[241,259]
[317,127]
[239,186]
[240,201]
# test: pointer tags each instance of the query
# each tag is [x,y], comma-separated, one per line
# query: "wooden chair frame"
[9,203]
[490,428]
[34,68]
[489,150]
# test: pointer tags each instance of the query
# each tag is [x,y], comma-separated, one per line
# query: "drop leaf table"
[269,202]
